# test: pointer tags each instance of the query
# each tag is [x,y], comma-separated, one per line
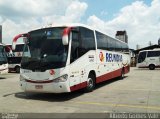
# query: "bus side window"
[87,41]
[103,41]
[153,54]
[74,47]
[142,57]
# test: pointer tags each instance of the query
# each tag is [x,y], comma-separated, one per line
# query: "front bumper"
[52,87]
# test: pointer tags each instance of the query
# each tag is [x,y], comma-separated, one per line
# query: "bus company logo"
[52,72]
[101,56]
[113,57]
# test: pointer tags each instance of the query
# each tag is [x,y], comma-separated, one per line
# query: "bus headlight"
[61,79]
[22,78]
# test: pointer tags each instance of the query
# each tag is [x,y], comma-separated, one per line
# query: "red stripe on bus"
[109,75]
[19,36]
[66,31]
[78,86]
[102,78]
[126,69]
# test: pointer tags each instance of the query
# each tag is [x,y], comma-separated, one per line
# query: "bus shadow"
[1,78]
[50,97]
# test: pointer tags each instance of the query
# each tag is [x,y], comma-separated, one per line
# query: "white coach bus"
[3,59]
[71,57]
[14,58]
[149,59]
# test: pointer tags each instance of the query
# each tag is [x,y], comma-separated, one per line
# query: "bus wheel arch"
[152,66]
[91,81]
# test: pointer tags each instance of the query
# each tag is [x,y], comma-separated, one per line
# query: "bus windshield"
[44,50]
[141,57]
[3,57]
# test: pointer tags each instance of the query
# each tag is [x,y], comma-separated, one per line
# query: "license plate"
[39,86]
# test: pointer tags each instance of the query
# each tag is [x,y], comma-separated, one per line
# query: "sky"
[140,18]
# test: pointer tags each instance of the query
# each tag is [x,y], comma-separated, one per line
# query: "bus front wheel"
[151,66]
[17,69]
[90,83]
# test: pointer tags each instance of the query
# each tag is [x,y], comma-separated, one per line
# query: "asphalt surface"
[138,92]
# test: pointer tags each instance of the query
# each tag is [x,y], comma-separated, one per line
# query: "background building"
[122,35]
[147,48]
[133,57]
[138,47]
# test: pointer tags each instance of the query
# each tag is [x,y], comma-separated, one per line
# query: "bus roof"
[78,25]
[156,49]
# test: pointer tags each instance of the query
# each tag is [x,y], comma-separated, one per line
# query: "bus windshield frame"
[44,50]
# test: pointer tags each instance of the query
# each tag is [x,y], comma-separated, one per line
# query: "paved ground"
[138,92]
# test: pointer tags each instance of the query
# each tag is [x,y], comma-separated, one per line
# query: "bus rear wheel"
[17,69]
[151,66]
[90,83]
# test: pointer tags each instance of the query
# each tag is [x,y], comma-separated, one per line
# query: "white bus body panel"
[12,66]
[149,60]
[77,76]
[152,60]
[4,68]
[108,68]
[79,70]
[78,73]
[52,87]
[142,64]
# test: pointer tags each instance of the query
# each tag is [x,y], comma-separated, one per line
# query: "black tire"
[122,74]
[17,69]
[91,83]
[151,66]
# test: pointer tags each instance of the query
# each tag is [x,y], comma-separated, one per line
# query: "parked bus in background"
[3,60]
[70,57]
[149,59]
[14,58]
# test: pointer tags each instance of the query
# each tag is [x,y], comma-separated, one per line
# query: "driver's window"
[142,57]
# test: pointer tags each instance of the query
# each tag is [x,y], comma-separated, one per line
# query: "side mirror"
[65,37]
[16,38]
